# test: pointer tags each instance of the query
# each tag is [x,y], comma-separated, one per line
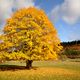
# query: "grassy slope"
[74,47]
[44,70]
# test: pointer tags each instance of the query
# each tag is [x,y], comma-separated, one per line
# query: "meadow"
[42,70]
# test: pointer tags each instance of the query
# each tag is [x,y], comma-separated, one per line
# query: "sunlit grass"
[43,70]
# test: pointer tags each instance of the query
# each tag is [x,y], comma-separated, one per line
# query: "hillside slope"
[75,45]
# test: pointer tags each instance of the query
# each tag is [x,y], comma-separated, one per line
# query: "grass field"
[42,70]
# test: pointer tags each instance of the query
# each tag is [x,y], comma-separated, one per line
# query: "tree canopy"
[29,35]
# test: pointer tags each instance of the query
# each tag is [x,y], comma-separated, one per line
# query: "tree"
[29,35]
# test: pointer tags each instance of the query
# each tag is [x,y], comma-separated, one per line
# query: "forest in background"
[70,49]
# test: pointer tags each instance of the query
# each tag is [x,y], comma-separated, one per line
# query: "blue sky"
[64,14]
[47,5]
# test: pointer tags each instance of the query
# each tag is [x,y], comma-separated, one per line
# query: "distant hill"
[71,49]
[75,45]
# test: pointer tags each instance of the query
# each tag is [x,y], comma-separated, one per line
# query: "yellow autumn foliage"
[29,34]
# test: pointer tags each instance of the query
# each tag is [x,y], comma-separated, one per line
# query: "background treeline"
[70,43]
[70,49]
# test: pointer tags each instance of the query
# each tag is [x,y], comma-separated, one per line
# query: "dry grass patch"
[44,71]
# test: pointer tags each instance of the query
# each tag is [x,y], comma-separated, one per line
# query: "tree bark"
[29,64]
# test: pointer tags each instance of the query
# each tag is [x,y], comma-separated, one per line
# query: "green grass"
[43,70]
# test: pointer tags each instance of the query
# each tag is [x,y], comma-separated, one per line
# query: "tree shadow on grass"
[14,68]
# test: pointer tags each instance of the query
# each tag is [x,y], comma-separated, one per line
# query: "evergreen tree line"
[76,42]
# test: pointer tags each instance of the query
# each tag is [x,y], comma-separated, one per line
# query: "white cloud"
[5,9]
[8,6]
[69,11]
[23,3]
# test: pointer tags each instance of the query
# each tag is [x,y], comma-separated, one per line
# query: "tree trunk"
[29,64]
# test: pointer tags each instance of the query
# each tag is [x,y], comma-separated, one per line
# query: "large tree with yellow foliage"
[29,35]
